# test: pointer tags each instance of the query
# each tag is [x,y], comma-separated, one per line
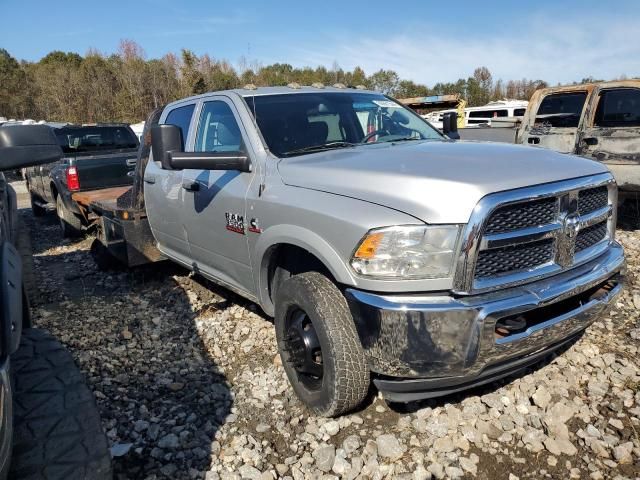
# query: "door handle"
[191,186]
[533,140]
[590,141]
[150,179]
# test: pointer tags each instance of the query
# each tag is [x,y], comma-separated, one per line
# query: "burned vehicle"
[384,250]
[599,121]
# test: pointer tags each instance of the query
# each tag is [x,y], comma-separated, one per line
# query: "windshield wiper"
[403,139]
[319,148]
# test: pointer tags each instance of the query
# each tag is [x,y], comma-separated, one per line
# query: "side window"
[561,109]
[181,117]
[218,129]
[519,112]
[618,108]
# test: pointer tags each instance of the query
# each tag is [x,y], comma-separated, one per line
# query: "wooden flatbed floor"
[103,196]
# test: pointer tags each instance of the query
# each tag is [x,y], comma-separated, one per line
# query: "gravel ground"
[189,385]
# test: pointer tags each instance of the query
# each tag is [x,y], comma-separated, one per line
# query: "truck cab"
[599,121]
[383,249]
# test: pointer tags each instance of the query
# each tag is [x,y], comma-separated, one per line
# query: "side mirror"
[450,125]
[27,145]
[166,145]
[165,139]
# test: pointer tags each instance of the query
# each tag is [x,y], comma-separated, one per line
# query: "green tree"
[385,81]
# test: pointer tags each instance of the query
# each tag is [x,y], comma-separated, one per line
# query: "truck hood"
[434,181]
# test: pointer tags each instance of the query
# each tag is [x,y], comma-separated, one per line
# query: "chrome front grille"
[520,235]
[514,258]
[523,215]
[590,236]
[592,199]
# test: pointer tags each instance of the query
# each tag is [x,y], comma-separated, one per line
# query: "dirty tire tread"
[38,210]
[57,429]
[351,382]
[70,225]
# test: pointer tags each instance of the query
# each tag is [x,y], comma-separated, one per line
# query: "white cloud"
[536,47]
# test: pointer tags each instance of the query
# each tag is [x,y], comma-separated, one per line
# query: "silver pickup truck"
[384,250]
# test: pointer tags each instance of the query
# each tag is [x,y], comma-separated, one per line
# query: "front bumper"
[422,346]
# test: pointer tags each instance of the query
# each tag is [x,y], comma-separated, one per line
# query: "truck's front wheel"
[319,346]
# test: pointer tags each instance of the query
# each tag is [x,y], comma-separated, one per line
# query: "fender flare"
[299,237]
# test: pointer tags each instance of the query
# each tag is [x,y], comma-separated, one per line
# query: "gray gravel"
[189,386]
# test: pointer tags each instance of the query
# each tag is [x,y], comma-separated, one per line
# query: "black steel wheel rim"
[304,353]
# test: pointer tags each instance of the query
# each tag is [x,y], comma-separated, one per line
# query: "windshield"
[95,138]
[298,123]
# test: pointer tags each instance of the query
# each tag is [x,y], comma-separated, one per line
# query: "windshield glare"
[301,121]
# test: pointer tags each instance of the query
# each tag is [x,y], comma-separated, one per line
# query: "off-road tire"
[57,430]
[70,223]
[37,209]
[103,259]
[345,380]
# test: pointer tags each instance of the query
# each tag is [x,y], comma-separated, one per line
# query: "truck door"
[552,120]
[612,133]
[163,194]
[214,207]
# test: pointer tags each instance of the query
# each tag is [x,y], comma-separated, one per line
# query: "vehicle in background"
[383,249]
[484,115]
[95,156]
[19,147]
[599,121]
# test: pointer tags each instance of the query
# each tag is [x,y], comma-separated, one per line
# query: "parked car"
[95,156]
[483,115]
[383,249]
[599,121]
[41,391]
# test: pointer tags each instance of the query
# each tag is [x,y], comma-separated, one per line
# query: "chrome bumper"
[438,342]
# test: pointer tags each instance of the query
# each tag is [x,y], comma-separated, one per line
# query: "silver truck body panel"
[415,177]
[326,202]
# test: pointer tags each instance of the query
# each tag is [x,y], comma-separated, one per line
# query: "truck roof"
[292,89]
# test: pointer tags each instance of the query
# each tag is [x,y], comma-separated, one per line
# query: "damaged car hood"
[434,181]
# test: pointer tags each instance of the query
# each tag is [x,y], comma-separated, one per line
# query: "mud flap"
[11,297]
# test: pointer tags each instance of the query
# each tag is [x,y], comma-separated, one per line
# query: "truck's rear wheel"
[37,209]
[70,224]
[319,346]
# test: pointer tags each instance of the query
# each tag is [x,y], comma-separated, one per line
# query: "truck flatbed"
[113,201]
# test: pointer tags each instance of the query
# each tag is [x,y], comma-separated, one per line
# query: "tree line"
[126,86]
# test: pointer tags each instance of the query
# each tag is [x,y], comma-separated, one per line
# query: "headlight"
[407,252]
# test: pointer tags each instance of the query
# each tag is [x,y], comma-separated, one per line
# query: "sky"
[424,41]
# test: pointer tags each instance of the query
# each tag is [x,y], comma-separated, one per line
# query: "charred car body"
[381,248]
[599,121]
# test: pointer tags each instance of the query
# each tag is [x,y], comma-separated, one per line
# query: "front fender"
[303,238]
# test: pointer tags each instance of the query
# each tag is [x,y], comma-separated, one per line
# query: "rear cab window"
[561,110]
[618,108]
[92,139]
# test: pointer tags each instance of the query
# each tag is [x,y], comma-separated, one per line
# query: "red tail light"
[73,182]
